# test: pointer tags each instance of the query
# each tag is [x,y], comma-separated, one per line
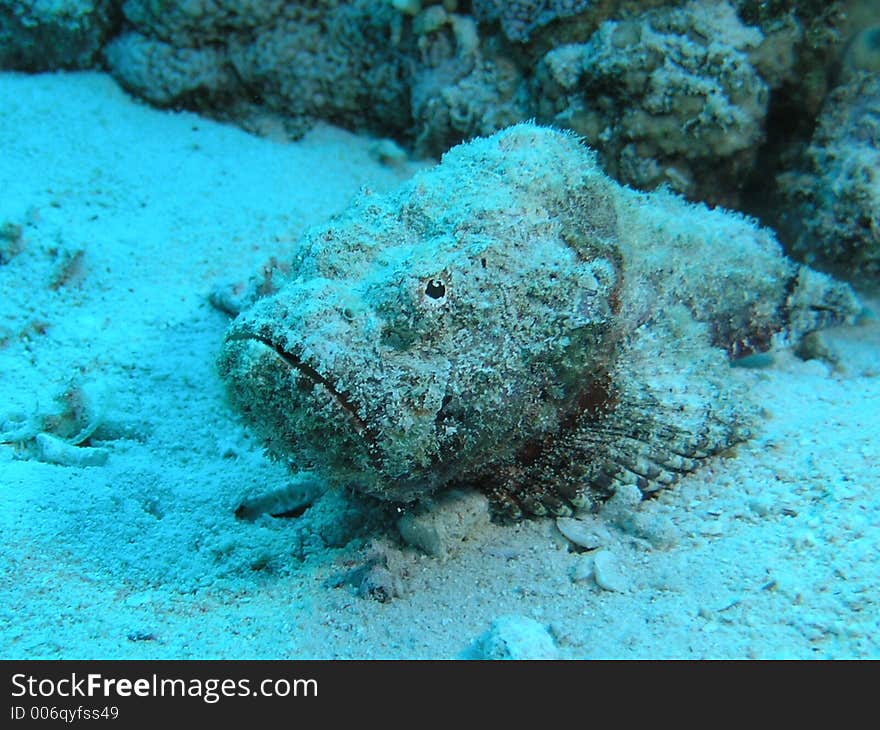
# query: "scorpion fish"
[513,320]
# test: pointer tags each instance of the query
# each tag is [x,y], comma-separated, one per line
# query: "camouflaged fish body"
[513,319]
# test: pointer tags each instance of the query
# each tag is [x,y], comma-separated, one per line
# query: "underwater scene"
[399,329]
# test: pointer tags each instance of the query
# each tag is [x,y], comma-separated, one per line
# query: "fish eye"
[435,289]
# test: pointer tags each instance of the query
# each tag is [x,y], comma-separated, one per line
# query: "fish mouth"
[302,414]
[296,363]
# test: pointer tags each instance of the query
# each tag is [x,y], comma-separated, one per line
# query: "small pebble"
[583,569]
[440,528]
[608,573]
[586,534]
[388,152]
[515,637]
[53,450]
[290,499]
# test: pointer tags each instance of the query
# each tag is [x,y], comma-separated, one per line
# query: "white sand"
[769,553]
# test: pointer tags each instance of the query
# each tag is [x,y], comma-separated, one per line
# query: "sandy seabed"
[128,217]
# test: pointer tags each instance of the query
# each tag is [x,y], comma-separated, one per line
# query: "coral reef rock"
[711,98]
[515,321]
[241,58]
[520,18]
[462,85]
[672,96]
[36,35]
[832,216]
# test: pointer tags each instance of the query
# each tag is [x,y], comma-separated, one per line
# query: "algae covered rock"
[166,75]
[832,206]
[515,321]
[711,98]
[44,35]
[330,60]
[463,85]
[671,96]
[520,18]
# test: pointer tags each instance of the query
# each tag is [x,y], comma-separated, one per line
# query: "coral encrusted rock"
[44,35]
[831,210]
[671,96]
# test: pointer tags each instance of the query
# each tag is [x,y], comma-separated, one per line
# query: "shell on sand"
[512,319]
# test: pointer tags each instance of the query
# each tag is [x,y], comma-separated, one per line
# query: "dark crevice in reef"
[788,132]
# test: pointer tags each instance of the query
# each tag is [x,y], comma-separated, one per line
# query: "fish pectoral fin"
[671,406]
[676,407]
